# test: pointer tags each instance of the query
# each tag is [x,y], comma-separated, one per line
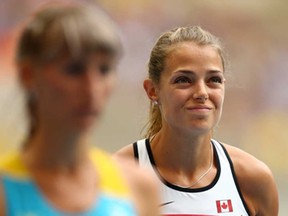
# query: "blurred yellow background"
[255,36]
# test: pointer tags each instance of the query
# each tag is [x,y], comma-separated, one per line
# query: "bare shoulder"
[256,182]
[134,173]
[247,165]
[143,185]
[125,152]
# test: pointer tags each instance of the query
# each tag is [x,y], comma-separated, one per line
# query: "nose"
[200,91]
[92,84]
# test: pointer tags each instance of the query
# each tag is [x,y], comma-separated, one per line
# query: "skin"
[190,96]
[71,96]
[79,90]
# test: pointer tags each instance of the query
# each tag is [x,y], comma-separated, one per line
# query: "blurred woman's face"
[72,94]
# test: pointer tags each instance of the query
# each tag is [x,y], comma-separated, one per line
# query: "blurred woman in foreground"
[66,59]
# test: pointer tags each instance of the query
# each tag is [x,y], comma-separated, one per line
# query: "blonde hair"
[160,52]
[58,30]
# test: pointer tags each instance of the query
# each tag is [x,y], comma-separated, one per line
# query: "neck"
[183,159]
[182,151]
[55,149]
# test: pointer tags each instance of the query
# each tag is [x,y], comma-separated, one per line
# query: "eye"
[182,79]
[74,68]
[105,69]
[216,79]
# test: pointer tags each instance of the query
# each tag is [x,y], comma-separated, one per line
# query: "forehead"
[191,56]
[90,57]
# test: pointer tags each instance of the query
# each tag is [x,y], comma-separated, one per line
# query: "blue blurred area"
[256,106]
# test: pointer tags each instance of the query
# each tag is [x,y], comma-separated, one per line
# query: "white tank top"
[221,197]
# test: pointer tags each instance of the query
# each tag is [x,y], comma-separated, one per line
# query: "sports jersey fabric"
[222,197]
[24,198]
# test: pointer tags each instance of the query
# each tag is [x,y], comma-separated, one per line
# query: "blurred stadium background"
[255,35]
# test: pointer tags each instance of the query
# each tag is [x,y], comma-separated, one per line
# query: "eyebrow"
[192,72]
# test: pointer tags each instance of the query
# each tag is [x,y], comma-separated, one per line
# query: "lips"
[199,108]
[87,111]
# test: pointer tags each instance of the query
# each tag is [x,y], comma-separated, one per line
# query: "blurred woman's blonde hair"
[67,29]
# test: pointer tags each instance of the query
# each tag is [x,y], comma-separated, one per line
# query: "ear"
[26,75]
[151,89]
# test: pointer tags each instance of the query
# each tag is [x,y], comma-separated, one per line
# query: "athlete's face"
[73,93]
[191,88]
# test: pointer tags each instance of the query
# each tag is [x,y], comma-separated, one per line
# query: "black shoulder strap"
[235,178]
[135,149]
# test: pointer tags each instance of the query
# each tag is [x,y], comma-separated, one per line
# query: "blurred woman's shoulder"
[126,152]
[123,174]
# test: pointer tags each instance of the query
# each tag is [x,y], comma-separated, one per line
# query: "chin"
[200,128]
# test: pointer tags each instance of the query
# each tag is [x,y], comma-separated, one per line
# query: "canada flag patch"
[224,206]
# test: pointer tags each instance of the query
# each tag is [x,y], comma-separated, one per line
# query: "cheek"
[221,97]
[171,102]
[57,92]
[110,85]
[178,97]
[102,92]
[219,101]
[62,91]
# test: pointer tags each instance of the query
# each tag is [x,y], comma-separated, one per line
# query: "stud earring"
[155,102]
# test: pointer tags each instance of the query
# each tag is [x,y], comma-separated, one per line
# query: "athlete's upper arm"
[256,183]
[267,195]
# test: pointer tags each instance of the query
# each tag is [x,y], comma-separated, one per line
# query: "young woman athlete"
[199,175]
